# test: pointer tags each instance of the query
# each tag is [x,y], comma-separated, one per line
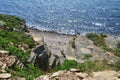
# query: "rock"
[111,41]
[5,75]
[118,75]
[4,52]
[82,47]
[56,74]
[19,78]
[104,75]
[1,63]
[44,77]
[4,66]
[43,58]
[82,75]
[74,70]
[38,39]
[85,50]
[10,60]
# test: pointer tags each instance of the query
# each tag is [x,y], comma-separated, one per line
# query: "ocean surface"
[67,16]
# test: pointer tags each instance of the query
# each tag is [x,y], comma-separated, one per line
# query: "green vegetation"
[117,66]
[68,64]
[88,66]
[12,21]
[117,50]
[15,42]
[30,72]
[98,40]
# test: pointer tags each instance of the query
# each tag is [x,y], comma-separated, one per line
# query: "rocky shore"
[31,54]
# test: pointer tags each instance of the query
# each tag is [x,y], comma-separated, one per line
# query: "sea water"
[67,16]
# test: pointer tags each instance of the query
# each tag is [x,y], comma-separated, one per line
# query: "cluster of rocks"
[42,57]
[8,61]
[75,74]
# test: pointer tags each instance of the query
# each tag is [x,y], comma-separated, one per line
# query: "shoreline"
[55,42]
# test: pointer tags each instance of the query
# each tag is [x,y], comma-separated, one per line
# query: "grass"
[12,21]
[88,66]
[117,50]
[29,73]
[13,42]
[99,40]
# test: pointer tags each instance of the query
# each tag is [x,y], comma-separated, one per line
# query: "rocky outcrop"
[80,48]
[7,60]
[112,41]
[75,75]
[43,58]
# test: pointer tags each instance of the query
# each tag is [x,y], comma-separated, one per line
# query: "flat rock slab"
[5,75]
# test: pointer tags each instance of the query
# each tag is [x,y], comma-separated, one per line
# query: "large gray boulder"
[43,58]
[81,48]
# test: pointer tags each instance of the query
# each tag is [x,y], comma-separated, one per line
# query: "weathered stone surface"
[82,47]
[5,75]
[4,52]
[82,75]
[112,41]
[19,78]
[105,75]
[9,61]
[68,75]
[74,70]
[57,74]
[37,38]
[43,58]
[44,77]
[118,75]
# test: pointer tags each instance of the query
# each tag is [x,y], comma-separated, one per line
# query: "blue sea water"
[67,16]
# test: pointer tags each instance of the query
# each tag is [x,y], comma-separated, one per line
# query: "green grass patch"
[117,50]
[99,40]
[87,66]
[29,73]
[12,21]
